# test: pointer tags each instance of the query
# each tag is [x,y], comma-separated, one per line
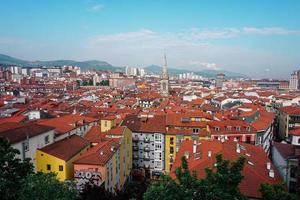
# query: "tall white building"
[294,80]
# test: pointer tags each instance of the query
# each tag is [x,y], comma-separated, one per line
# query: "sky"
[259,38]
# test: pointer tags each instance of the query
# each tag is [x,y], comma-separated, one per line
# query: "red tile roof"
[67,148]
[100,154]
[291,110]
[150,124]
[66,123]
[254,174]
[17,132]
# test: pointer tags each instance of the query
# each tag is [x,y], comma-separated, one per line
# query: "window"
[228,128]
[157,164]
[293,172]
[248,128]
[238,128]
[46,139]
[195,130]
[158,137]
[217,128]
[171,141]
[299,141]
[48,167]
[171,150]
[105,123]
[60,168]
[26,146]
[157,147]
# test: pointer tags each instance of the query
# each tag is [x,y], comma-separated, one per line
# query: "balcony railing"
[147,149]
[147,140]
[147,158]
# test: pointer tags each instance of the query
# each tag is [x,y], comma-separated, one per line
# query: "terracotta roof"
[66,123]
[295,131]
[291,110]
[254,173]
[100,154]
[94,134]
[153,124]
[264,121]
[67,148]
[17,132]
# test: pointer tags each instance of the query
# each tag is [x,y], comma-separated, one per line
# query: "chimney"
[238,149]
[195,147]
[209,154]
[269,165]
[186,154]
[271,173]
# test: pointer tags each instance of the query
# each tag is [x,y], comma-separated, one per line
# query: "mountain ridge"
[103,65]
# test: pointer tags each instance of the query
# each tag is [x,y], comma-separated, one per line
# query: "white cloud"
[96,8]
[270,31]
[206,65]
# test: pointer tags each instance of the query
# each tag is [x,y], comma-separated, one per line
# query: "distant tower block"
[220,80]
[164,81]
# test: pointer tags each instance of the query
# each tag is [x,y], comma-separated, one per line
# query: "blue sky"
[260,38]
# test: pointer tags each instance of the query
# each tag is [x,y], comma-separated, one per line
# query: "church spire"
[164,82]
[165,70]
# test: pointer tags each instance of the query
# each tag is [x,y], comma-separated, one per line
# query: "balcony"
[135,148]
[147,140]
[135,139]
[147,149]
[147,158]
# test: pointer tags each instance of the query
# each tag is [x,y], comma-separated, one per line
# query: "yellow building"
[181,127]
[108,123]
[59,156]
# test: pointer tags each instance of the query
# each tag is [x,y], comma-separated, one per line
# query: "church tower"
[164,81]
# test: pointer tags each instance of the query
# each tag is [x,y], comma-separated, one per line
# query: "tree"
[46,186]
[275,192]
[221,182]
[12,171]
[19,182]
[92,191]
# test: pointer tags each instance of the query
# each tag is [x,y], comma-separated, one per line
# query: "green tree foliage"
[220,183]
[46,186]
[12,171]
[19,182]
[276,192]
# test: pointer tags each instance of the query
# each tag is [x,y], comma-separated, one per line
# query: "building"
[220,80]
[286,158]
[288,118]
[68,125]
[100,165]
[164,82]
[27,138]
[59,156]
[233,130]
[264,126]
[148,137]
[294,80]
[181,127]
[257,169]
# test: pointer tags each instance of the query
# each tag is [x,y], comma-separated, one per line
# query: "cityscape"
[205,113]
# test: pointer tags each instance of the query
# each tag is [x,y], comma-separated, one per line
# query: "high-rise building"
[294,80]
[164,82]
[220,80]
